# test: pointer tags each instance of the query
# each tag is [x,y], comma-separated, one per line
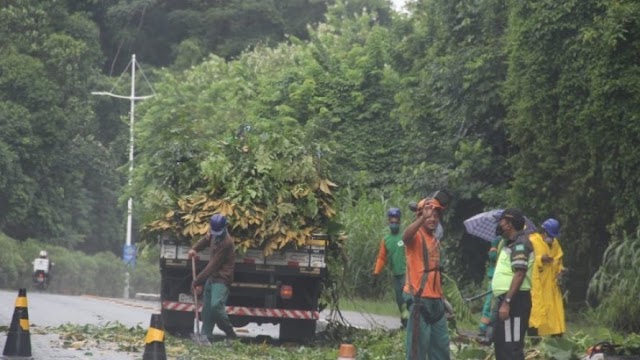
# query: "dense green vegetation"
[529,103]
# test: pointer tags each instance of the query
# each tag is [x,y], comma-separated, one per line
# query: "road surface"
[52,310]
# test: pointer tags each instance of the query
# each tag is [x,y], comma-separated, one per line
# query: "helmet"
[514,216]
[218,224]
[43,254]
[552,227]
[442,197]
[393,212]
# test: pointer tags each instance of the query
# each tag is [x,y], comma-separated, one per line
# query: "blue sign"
[129,255]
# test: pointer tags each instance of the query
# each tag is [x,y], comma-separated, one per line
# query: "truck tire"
[294,330]
[239,321]
[178,323]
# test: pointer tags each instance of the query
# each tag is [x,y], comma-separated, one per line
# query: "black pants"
[508,335]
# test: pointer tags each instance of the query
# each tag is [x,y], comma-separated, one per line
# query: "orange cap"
[347,351]
[432,203]
[435,204]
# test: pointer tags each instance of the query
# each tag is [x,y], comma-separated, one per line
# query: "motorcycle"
[40,280]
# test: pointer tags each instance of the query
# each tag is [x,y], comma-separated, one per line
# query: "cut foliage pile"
[268,185]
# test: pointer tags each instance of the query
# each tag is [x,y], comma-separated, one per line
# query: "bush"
[365,222]
[74,272]
[145,278]
[12,263]
[616,285]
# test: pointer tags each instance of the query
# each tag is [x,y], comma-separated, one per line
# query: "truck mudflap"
[249,311]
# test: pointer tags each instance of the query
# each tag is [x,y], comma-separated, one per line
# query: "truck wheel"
[239,321]
[297,330]
[178,323]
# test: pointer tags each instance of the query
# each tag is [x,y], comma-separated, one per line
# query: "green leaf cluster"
[56,179]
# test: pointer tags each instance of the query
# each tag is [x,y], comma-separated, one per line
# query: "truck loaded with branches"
[279,206]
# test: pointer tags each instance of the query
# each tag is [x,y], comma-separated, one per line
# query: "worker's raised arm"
[411,230]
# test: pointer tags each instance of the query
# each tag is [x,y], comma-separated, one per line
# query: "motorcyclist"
[42,264]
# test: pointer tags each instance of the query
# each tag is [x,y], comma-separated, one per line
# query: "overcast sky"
[398,3]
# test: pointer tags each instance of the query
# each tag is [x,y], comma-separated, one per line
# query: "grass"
[118,337]
[376,344]
[582,332]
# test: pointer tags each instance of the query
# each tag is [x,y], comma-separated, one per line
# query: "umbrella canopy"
[483,225]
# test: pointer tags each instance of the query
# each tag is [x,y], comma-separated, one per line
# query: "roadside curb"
[148,297]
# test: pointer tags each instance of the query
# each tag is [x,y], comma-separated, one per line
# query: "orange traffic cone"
[347,352]
[18,338]
[154,341]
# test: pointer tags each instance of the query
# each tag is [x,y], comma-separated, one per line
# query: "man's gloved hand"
[197,289]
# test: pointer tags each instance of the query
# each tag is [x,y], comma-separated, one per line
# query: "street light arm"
[106,93]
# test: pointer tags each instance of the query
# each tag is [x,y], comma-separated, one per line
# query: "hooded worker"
[392,251]
[547,308]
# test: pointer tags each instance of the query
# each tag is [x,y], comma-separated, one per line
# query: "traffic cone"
[154,341]
[18,338]
[347,352]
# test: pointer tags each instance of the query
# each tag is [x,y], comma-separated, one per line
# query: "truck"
[282,288]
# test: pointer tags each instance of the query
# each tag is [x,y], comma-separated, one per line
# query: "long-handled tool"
[478,296]
[198,338]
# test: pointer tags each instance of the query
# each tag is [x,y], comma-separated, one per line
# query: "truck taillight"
[286,291]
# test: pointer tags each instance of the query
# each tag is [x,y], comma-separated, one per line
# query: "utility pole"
[129,250]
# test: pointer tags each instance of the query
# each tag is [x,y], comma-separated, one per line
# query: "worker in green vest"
[392,250]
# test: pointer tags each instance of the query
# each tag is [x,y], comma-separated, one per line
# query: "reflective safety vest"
[503,275]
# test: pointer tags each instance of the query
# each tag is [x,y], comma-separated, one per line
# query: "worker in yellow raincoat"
[547,308]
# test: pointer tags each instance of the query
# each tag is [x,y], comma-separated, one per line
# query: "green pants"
[214,311]
[398,285]
[485,319]
[427,339]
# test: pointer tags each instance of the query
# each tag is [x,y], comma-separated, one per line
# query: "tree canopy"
[529,103]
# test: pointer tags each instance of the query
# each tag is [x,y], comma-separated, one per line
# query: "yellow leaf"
[190,230]
[77,344]
[200,200]
[329,212]
[182,204]
[323,187]
[202,229]
[211,205]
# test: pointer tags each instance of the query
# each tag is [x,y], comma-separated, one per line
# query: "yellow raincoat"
[547,308]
